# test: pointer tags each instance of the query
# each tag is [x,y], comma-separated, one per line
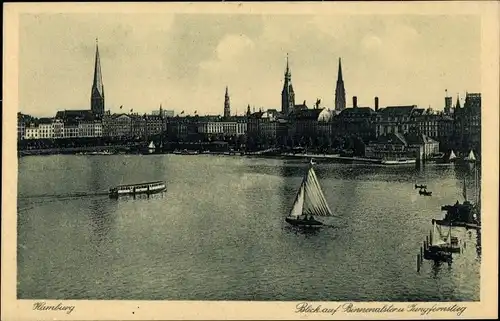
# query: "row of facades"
[458,124]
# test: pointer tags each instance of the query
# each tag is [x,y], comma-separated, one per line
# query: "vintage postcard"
[207,161]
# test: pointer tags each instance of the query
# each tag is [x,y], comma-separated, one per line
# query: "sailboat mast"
[476,172]
[465,191]
[449,235]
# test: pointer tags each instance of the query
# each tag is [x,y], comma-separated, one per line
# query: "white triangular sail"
[298,205]
[151,145]
[471,156]
[452,155]
[314,199]
[437,238]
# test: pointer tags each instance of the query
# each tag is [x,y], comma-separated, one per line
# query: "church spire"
[227,104]
[288,73]
[97,94]
[339,76]
[340,91]
[287,94]
[457,105]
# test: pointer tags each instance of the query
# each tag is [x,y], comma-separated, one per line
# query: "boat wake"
[63,195]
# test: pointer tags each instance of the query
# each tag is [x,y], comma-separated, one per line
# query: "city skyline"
[402,60]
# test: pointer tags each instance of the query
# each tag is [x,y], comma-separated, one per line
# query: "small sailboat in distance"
[452,156]
[471,157]
[309,202]
[151,147]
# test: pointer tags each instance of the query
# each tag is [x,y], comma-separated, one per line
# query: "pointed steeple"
[339,76]
[287,94]
[457,105]
[248,110]
[340,102]
[227,104]
[288,73]
[97,93]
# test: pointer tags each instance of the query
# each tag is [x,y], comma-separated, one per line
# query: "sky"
[185,61]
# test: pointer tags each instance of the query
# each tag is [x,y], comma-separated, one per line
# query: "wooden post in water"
[418,262]
[430,237]
[421,254]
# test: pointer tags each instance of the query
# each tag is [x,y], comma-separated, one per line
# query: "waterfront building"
[340,100]
[394,119]
[448,108]
[287,94]
[155,124]
[425,121]
[58,128]
[355,121]
[32,132]
[22,120]
[117,125]
[445,132]
[467,129]
[309,124]
[97,93]
[394,146]
[87,123]
[71,129]
[266,128]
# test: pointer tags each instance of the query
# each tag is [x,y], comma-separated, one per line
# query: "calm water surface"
[218,233]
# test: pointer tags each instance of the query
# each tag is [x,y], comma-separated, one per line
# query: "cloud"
[233,45]
[371,42]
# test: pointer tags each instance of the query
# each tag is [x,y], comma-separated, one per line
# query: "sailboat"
[309,202]
[452,156]
[468,213]
[439,247]
[471,157]
[151,147]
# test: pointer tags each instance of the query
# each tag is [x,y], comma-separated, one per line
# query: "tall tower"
[97,94]
[340,91]
[227,105]
[457,105]
[287,94]
[447,103]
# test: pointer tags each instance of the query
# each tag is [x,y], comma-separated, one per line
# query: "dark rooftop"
[359,111]
[75,114]
[395,111]
[305,114]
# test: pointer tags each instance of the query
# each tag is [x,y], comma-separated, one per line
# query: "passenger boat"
[135,189]
[309,201]
[420,186]
[398,162]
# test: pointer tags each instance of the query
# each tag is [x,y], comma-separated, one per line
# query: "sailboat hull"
[304,222]
[437,255]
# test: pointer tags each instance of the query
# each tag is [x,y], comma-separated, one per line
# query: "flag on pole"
[182,112]
[121,106]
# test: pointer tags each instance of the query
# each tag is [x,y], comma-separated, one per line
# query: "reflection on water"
[218,232]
